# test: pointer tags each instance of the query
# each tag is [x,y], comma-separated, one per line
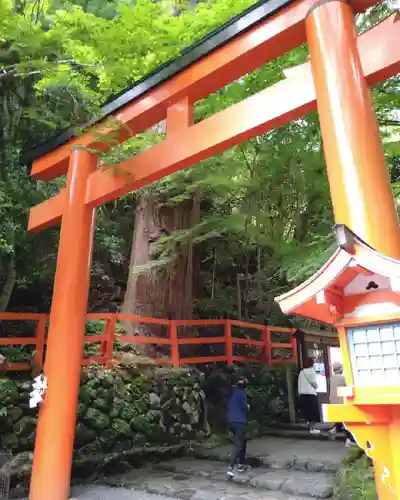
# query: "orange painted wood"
[344,347]
[358,178]
[294,347]
[246,324]
[267,343]
[51,471]
[180,116]
[40,341]
[48,213]
[280,345]
[173,339]
[106,332]
[380,59]
[387,318]
[205,359]
[108,348]
[280,329]
[270,39]
[94,339]
[143,340]
[198,322]
[18,367]
[18,341]
[21,316]
[201,340]
[378,297]
[106,339]
[247,342]
[228,342]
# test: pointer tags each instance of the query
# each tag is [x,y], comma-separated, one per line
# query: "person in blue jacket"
[237,421]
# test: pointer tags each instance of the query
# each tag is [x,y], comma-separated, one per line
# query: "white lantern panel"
[375,348]
[375,354]
[360,337]
[361,349]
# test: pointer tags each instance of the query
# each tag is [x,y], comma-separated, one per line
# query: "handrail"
[109,336]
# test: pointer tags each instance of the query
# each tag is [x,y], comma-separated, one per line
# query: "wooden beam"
[269,40]
[47,214]
[286,100]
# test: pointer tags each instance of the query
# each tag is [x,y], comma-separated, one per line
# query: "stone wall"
[118,409]
[136,413]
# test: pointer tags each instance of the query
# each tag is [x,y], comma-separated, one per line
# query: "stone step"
[277,486]
[284,454]
[300,431]
[295,482]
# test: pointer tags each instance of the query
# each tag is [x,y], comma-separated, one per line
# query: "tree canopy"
[264,221]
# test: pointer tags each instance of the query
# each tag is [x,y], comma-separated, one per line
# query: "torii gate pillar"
[358,178]
[55,433]
[340,293]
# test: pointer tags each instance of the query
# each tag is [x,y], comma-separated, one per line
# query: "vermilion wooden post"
[358,178]
[110,337]
[228,342]
[56,427]
[103,345]
[173,335]
[40,340]
[294,346]
[267,340]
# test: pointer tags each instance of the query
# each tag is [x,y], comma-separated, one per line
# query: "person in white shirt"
[308,396]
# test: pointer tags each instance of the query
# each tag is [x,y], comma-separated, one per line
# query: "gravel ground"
[107,493]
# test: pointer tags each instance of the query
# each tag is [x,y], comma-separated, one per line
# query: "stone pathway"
[284,469]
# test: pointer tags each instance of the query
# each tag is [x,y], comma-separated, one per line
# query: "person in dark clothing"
[237,420]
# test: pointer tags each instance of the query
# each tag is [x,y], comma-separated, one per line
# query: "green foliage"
[356,479]
[265,212]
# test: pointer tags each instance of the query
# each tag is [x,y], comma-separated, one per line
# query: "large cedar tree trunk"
[160,292]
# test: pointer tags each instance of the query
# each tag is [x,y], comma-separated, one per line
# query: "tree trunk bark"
[161,291]
[8,284]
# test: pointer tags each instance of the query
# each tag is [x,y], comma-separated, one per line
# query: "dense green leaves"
[265,221]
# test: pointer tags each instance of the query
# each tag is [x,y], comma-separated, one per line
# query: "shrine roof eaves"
[214,40]
[353,252]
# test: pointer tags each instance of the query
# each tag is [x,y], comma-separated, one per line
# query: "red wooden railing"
[109,336]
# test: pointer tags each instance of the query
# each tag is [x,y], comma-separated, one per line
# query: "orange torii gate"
[335,81]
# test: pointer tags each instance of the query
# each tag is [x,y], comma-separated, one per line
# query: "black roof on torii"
[214,40]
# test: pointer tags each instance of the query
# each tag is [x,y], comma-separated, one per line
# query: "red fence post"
[268,347]
[228,342]
[107,346]
[40,340]
[294,346]
[173,335]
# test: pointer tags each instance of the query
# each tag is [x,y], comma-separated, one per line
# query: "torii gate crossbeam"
[335,81]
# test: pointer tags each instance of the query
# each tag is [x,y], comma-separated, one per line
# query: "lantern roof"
[355,282]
